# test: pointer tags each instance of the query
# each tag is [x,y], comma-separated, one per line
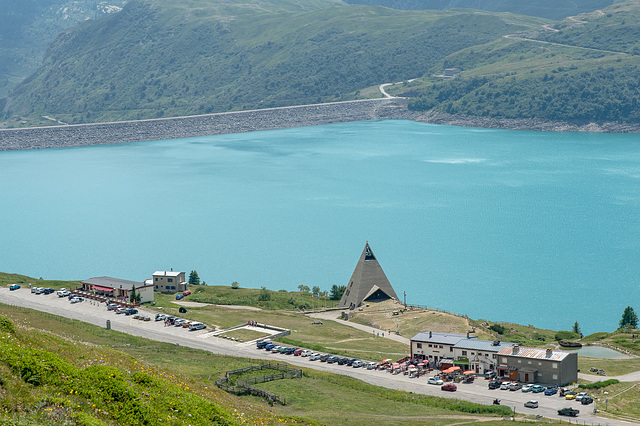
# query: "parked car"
[298,352]
[350,361]
[551,390]
[489,375]
[131,311]
[527,388]
[179,296]
[332,359]
[270,346]
[531,404]
[186,293]
[47,290]
[325,358]
[537,388]
[435,381]
[14,287]
[63,292]
[580,396]
[505,385]
[315,357]
[342,360]
[372,365]
[450,387]
[515,386]
[160,317]
[37,290]
[290,351]
[282,349]
[196,326]
[121,310]
[275,348]
[568,411]
[358,363]
[570,395]
[494,384]
[586,400]
[76,299]
[306,352]
[261,344]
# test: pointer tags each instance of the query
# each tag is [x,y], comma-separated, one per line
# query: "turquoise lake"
[529,227]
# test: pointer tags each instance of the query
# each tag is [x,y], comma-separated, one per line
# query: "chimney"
[516,349]
[496,342]
[549,352]
[171,269]
[467,334]
[430,335]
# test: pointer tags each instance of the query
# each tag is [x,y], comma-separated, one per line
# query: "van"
[197,326]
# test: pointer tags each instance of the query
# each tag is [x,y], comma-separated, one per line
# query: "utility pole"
[405,299]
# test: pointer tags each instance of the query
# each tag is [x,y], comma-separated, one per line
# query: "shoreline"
[271,119]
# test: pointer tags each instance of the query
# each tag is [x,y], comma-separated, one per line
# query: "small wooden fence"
[244,387]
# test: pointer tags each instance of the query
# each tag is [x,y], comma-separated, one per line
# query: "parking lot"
[96,313]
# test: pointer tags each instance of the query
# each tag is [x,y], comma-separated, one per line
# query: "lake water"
[530,227]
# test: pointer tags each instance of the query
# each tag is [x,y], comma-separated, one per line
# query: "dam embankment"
[192,126]
[271,119]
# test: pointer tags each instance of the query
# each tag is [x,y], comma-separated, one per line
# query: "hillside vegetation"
[583,69]
[28,26]
[160,58]
[552,9]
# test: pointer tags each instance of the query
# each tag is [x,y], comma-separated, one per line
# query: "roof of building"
[482,345]
[110,282]
[534,353]
[440,338]
[167,273]
[368,279]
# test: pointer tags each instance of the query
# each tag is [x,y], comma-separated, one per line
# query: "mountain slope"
[28,26]
[552,9]
[158,58]
[583,69]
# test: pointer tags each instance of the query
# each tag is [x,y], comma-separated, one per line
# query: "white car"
[315,357]
[306,352]
[76,299]
[63,292]
[505,385]
[580,396]
[434,381]
[526,388]
[531,404]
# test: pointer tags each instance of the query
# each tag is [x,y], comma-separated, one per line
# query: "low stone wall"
[184,127]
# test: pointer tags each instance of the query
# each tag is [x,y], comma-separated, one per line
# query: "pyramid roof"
[367,279]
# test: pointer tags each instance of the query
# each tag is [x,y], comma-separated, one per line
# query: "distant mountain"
[585,69]
[165,58]
[27,27]
[552,9]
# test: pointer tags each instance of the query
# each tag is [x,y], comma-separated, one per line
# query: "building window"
[494,356]
[472,353]
[419,345]
[440,346]
[450,348]
[554,365]
[170,280]
[156,278]
[464,353]
[347,293]
[156,287]
[555,377]
[429,344]
[504,360]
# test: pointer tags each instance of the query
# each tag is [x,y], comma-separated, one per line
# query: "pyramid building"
[367,282]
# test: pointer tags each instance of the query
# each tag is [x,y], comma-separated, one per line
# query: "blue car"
[14,287]
[537,388]
[179,296]
[551,390]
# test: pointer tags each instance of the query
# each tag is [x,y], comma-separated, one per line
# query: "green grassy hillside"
[160,58]
[552,9]
[584,69]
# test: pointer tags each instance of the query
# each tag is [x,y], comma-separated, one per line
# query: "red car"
[449,387]
[186,293]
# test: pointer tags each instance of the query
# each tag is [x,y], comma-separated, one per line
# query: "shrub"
[6,325]
[498,328]
[566,335]
[599,384]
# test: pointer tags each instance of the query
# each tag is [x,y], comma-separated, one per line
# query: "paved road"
[97,314]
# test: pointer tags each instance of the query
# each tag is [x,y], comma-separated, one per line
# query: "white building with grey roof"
[478,355]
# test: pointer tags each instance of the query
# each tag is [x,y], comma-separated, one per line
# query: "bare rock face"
[569,344]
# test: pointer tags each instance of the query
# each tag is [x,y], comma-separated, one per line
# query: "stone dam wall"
[270,119]
[191,126]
